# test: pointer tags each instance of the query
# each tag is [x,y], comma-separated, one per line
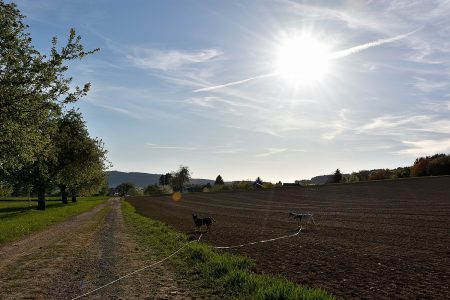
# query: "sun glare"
[302,59]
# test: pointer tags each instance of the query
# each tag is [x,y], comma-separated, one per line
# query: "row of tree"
[44,141]
[435,165]
[179,181]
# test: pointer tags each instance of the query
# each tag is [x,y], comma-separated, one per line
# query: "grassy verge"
[228,276]
[19,218]
[52,198]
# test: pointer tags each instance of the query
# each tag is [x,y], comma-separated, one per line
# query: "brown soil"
[86,252]
[377,240]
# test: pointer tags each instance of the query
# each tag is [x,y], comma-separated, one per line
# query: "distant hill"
[142,179]
[139,179]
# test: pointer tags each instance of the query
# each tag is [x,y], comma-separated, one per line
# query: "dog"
[199,222]
[307,217]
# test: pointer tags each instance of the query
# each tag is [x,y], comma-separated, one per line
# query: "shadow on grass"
[10,211]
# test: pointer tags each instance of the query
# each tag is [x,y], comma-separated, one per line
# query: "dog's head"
[291,214]
[194,216]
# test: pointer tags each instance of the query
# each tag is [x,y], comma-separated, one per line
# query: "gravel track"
[79,255]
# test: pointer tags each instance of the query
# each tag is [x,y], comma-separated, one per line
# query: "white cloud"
[271,151]
[337,127]
[427,85]
[415,125]
[392,122]
[426,147]
[171,59]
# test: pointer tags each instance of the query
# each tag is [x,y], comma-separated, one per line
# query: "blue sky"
[376,108]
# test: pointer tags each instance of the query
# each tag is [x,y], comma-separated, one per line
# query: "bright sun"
[302,59]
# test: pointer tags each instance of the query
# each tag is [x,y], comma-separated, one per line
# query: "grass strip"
[228,276]
[19,218]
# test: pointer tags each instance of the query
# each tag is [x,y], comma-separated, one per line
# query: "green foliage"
[152,189]
[21,217]
[40,144]
[229,276]
[125,188]
[258,183]
[401,172]
[380,174]
[242,185]
[33,91]
[5,189]
[81,160]
[180,178]
[219,180]
[165,179]
[337,176]
[438,164]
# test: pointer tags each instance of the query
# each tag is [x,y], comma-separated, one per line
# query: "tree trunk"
[62,187]
[74,196]
[41,198]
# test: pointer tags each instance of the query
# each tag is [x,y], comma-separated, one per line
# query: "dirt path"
[79,255]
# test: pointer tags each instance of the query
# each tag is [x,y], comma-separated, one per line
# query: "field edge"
[224,275]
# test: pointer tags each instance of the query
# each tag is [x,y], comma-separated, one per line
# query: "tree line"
[435,165]
[44,141]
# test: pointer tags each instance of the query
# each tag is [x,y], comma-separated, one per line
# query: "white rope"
[262,241]
[136,271]
[166,258]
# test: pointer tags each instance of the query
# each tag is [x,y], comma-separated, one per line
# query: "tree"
[258,183]
[337,176]
[219,181]
[152,189]
[161,180]
[81,160]
[167,179]
[125,188]
[180,178]
[33,90]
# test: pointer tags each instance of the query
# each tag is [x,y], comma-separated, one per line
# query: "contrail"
[334,55]
[363,47]
[233,83]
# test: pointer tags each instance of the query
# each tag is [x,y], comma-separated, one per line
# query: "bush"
[380,174]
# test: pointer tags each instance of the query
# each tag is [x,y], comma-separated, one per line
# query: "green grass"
[228,276]
[29,198]
[18,218]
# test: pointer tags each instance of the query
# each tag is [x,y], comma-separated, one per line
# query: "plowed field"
[383,240]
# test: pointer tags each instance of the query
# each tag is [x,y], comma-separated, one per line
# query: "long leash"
[184,246]
[262,241]
[137,271]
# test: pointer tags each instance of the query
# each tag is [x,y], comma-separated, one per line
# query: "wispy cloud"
[426,147]
[337,127]
[214,102]
[390,122]
[171,59]
[428,85]
[275,151]
[234,83]
[334,55]
[220,149]
[271,151]
[413,125]
[155,146]
[120,110]
[356,49]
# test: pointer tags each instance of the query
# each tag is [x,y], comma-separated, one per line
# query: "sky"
[217,85]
